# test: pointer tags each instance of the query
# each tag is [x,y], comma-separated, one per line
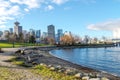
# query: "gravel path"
[14,72]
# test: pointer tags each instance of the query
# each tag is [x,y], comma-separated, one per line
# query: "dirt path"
[9,71]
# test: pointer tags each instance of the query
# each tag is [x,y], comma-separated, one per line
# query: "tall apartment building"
[38,34]
[59,34]
[51,32]
[17,28]
[11,30]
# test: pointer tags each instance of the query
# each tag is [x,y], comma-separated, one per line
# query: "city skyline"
[82,17]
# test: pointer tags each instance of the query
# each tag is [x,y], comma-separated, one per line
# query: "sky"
[95,18]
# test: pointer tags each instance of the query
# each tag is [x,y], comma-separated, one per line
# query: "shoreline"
[104,73]
[49,59]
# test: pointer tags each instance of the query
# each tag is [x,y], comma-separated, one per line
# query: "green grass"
[48,74]
[43,71]
[7,74]
[10,45]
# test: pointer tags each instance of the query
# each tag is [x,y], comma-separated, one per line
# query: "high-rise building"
[32,32]
[51,32]
[11,30]
[1,33]
[5,35]
[59,34]
[17,28]
[44,35]
[38,33]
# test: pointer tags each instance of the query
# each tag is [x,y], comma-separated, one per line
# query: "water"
[104,59]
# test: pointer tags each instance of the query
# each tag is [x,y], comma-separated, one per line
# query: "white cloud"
[49,7]
[2,26]
[10,9]
[27,10]
[29,3]
[111,25]
[59,1]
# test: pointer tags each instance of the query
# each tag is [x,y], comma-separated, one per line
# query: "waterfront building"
[51,32]
[59,34]
[1,33]
[38,33]
[32,32]
[24,33]
[17,28]
[44,35]
[5,35]
[11,30]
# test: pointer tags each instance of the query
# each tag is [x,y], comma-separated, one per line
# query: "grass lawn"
[10,45]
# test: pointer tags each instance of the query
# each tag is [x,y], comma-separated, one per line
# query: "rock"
[59,67]
[85,78]
[22,52]
[49,66]
[52,68]
[104,78]
[69,72]
[94,79]
[93,75]
[78,75]
[61,70]
[34,63]
[42,64]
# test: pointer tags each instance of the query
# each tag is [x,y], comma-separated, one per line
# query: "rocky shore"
[34,56]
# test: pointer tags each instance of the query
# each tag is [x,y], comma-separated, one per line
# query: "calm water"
[104,59]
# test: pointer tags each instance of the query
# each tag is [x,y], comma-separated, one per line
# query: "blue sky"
[95,18]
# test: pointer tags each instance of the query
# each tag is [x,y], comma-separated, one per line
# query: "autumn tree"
[69,39]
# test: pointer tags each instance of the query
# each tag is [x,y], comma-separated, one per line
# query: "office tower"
[24,33]
[51,32]
[32,32]
[59,34]
[1,33]
[11,30]
[5,35]
[38,33]
[44,35]
[17,28]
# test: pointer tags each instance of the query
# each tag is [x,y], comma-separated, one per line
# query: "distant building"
[24,33]
[11,30]
[1,33]
[38,33]
[51,32]
[32,32]
[59,34]
[44,35]
[5,35]
[17,28]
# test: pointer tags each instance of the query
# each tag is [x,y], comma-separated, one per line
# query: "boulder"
[43,64]
[69,72]
[94,79]
[61,70]
[78,75]
[52,68]
[85,78]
